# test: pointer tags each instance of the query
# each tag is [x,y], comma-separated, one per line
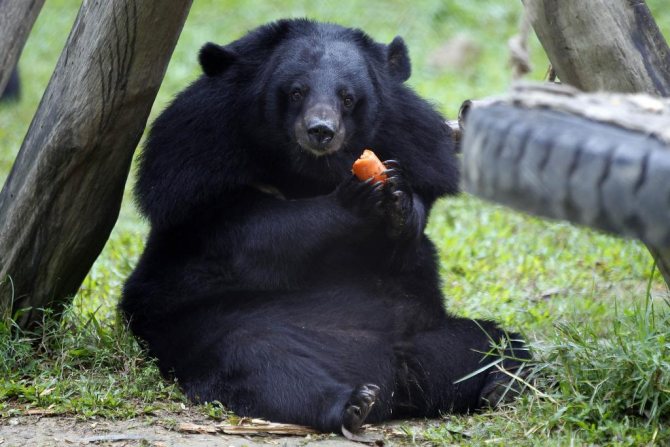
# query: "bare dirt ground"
[167,431]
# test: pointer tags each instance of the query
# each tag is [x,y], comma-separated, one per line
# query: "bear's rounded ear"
[398,60]
[215,59]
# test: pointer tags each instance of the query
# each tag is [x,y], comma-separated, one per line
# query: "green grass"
[584,299]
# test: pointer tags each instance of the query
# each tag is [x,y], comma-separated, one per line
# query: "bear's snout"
[320,130]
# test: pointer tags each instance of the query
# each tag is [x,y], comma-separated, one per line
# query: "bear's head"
[291,104]
[317,87]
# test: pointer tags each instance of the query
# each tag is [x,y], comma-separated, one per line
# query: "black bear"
[276,282]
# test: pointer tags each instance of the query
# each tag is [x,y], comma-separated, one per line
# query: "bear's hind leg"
[288,375]
[433,365]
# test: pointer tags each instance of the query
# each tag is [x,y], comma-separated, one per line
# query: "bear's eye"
[296,95]
[348,102]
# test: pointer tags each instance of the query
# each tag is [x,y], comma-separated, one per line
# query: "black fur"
[12,90]
[272,280]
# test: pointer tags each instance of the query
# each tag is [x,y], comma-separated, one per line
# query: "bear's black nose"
[320,133]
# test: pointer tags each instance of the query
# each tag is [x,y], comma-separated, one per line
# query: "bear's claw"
[499,389]
[363,198]
[358,407]
[398,203]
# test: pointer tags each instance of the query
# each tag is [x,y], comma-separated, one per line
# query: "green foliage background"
[581,297]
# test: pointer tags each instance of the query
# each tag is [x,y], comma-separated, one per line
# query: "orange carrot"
[369,166]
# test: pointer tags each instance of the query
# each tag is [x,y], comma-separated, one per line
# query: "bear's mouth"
[319,151]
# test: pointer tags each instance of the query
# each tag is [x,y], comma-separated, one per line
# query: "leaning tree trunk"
[63,195]
[17,18]
[612,45]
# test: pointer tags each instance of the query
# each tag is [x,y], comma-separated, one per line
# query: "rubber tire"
[562,166]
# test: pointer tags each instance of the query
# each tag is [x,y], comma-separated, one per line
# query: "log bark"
[16,20]
[648,115]
[612,45]
[63,194]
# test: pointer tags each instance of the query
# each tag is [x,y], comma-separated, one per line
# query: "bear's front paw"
[398,204]
[363,198]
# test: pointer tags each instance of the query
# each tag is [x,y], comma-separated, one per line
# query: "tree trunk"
[63,195]
[16,20]
[612,45]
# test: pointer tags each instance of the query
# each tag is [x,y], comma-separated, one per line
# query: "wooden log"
[612,45]
[16,20]
[63,194]
[456,133]
[648,115]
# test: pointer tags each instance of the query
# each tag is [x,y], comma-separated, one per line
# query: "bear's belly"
[357,303]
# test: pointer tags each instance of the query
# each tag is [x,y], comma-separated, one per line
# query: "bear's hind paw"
[499,389]
[358,407]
